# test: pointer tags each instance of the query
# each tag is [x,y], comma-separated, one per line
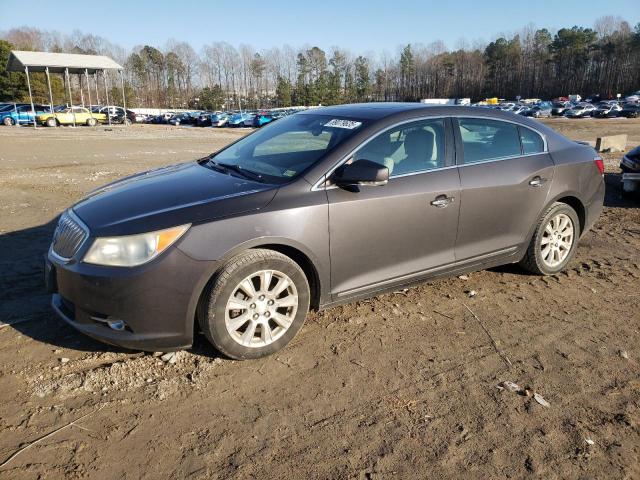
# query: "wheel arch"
[305,263]
[575,203]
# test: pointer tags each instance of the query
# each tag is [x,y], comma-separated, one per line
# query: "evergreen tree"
[283,92]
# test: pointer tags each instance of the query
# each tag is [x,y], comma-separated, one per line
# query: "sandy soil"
[404,385]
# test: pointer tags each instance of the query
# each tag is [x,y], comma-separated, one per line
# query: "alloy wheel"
[557,240]
[261,308]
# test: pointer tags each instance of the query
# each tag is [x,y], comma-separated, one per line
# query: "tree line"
[532,63]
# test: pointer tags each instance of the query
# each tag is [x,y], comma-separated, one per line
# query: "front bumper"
[157,301]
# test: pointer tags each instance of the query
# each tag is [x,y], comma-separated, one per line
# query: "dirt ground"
[404,385]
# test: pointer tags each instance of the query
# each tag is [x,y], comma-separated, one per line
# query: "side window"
[484,140]
[409,148]
[531,141]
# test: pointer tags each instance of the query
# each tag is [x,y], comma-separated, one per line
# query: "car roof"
[402,111]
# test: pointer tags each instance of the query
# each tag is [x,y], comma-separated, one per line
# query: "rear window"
[532,142]
[485,140]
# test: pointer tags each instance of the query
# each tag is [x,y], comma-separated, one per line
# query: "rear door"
[381,235]
[505,174]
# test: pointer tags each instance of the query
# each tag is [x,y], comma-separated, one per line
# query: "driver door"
[383,235]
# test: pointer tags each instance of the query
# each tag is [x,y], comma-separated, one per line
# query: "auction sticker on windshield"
[336,122]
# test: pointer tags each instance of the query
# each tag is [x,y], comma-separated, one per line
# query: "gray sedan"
[319,208]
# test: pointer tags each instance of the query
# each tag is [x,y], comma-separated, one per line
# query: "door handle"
[442,201]
[537,181]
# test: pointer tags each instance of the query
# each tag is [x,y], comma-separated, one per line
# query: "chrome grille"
[68,237]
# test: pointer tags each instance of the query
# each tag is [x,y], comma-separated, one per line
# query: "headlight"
[132,250]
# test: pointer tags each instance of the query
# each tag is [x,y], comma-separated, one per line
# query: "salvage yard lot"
[403,385]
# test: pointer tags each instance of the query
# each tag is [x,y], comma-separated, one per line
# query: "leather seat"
[418,148]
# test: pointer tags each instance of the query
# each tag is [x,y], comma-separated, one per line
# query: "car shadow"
[25,305]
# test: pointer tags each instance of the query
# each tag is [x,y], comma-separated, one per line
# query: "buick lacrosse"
[316,209]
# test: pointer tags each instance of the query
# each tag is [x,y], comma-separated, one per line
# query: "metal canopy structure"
[59,62]
[66,64]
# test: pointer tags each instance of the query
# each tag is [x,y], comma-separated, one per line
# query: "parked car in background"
[630,111]
[607,110]
[22,115]
[204,119]
[520,109]
[163,118]
[182,119]
[299,215]
[539,111]
[71,116]
[580,111]
[634,97]
[262,119]
[116,114]
[139,117]
[249,121]
[558,108]
[239,119]
[630,162]
[125,117]
[219,119]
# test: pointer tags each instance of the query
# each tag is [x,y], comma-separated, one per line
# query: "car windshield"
[284,149]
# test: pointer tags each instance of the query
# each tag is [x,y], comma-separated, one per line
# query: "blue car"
[239,119]
[21,114]
[262,119]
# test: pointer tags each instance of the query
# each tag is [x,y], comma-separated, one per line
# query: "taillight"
[600,164]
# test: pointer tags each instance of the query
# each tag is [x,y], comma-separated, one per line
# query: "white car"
[579,111]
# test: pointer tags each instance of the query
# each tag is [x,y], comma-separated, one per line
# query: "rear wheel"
[8,121]
[554,242]
[51,122]
[257,303]
[91,122]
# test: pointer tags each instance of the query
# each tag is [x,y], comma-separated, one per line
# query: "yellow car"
[66,117]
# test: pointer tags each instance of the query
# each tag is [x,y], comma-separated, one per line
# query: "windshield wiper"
[251,175]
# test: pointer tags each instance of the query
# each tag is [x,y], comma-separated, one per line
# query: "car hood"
[169,196]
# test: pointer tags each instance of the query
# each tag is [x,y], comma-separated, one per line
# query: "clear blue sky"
[358,25]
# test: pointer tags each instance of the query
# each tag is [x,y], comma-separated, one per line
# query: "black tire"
[8,121]
[211,316]
[533,261]
[91,122]
[51,122]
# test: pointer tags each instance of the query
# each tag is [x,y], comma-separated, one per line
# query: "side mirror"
[360,172]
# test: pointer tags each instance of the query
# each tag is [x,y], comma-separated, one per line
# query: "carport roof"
[58,62]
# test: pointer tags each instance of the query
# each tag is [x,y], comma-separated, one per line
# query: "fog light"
[118,325]
[112,323]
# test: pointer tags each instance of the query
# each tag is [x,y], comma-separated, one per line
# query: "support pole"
[50,94]
[95,78]
[66,72]
[15,110]
[86,74]
[33,110]
[106,93]
[124,100]
[81,90]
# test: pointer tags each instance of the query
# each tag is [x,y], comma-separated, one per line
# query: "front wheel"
[91,122]
[256,305]
[554,242]
[51,122]
[8,121]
